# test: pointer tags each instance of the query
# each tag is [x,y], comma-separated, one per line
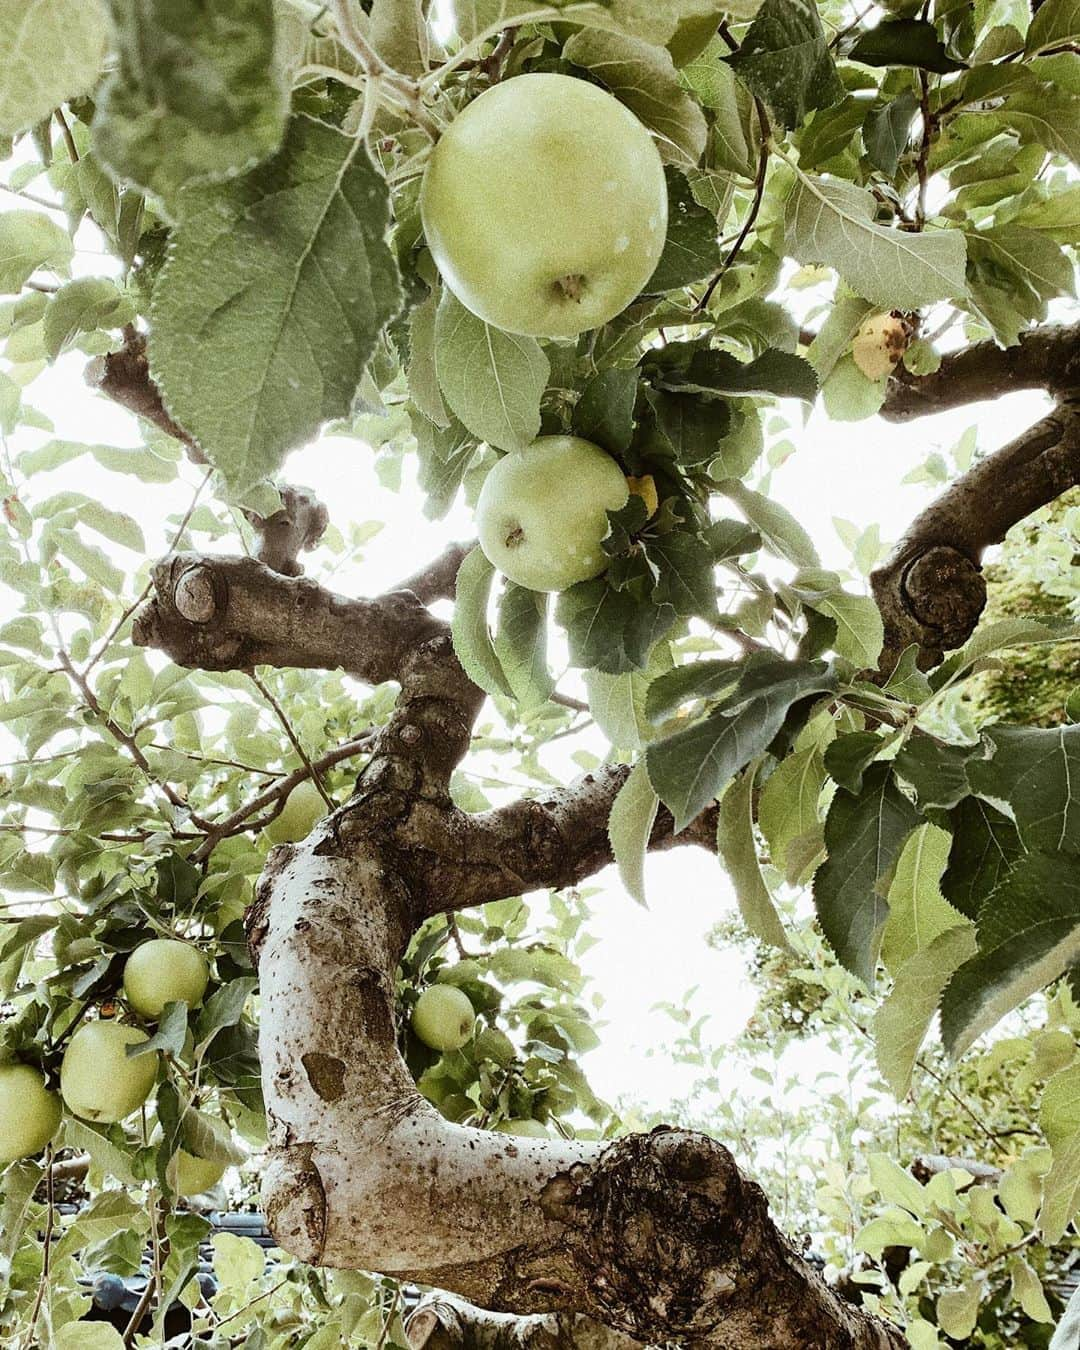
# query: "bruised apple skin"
[29,1112]
[97,1079]
[162,971]
[544,206]
[879,344]
[542,512]
[443,1017]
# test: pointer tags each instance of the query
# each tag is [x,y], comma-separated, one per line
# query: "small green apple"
[29,1112]
[544,206]
[97,1080]
[188,1174]
[303,807]
[162,971]
[529,1129]
[542,512]
[443,1017]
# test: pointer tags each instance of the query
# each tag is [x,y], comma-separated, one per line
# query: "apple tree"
[263,874]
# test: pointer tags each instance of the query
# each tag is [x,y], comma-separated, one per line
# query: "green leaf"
[52,53]
[686,582]
[1036,770]
[1048,117]
[848,757]
[521,644]
[630,823]
[82,306]
[618,702]
[1067,1335]
[274,294]
[788,808]
[1059,1116]
[776,373]
[1054,24]
[423,384]
[206,1136]
[238,1261]
[695,680]
[223,1008]
[782,533]
[737,847]
[918,911]
[937,772]
[609,629]
[196,92]
[170,1034]
[400,32]
[644,77]
[493,381]
[714,83]
[692,249]
[604,414]
[1029,935]
[693,425]
[887,131]
[831,222]
[860,632]
[88,1336]
[785,60]
[985,846]
[29,240]
[472,637]
[864,834]
[692,767]
[904,42]
[903,1019]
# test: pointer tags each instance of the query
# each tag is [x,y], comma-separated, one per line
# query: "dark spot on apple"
[570,287]
[515,538]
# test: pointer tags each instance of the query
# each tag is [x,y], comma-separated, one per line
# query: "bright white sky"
[644,957]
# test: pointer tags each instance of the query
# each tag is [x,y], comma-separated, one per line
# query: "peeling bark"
[658,1237]
[931,590]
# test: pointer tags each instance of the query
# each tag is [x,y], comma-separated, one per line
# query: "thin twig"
[69,139]
[755,207]
[43,1282]
[294,740]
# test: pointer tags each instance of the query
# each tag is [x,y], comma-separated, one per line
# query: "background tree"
[254,169]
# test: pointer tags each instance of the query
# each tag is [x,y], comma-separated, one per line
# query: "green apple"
[188,1174]
[542,512]
[164,971]
[529,1129]
[544,206]
[97,1080]
[879,344]
[303,807]
[443,1017]
[29,1112]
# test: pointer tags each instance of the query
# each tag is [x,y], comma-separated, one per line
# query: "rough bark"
[658,1237]
[1044,358]
[931,590]
[442,1322]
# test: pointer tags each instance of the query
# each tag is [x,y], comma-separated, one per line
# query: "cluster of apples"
[99,1082]
[545,208]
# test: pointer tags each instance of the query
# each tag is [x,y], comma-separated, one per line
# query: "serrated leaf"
[1029,935]
[206,1136]
[609,629]
[831,222]
[604,414]
[714,83]
[860,632]
[223,1008]
[692,248]
[643,76]
[887,131]
[737,847]
[493,381]
[1059,1116]
[52,53]
[693,425]
[169,1036]
[904,42]
[618,702]
[785,60]
[196,92]
[788,808]
[773,373]
[985,846]
[630,823]
[270,304]
[1054,24]
[472,636]
[521,644]
[82,306]
[918,912]
[781,532]
[864,835]
[29,240]
[685,580]
[692,767]
[1037,771]
[695,680]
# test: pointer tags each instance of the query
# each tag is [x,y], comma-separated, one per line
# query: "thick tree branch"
[931,590]
[659,1237]
[443,1322]
[1044,358]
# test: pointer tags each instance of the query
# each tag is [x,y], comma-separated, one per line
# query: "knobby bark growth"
[650,1238]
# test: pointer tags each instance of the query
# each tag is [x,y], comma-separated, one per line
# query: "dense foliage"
[227,196]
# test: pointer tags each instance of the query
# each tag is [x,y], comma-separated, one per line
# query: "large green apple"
[443,1017]
[544,206]
[164,971]
[542,512]
[29,1112]
[97,1080]
[303,807]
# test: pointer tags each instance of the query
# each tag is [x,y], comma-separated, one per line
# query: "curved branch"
[443,1322]
[1044,358]
[931,590]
